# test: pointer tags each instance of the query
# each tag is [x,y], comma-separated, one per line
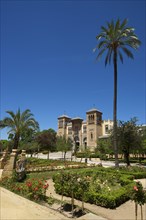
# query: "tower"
[62,125]
[77,130]
[94,127]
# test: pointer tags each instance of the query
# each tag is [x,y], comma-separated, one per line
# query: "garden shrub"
[34,189]
[105,189]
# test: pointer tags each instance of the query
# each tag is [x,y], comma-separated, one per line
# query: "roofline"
[93,110]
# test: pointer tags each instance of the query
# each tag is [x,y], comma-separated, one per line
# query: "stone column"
[3,159]
[10,165]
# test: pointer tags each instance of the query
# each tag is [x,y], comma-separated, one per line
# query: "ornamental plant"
[83,186]
[36,189]
[138,195]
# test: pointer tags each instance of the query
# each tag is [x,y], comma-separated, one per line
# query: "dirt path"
[123,212]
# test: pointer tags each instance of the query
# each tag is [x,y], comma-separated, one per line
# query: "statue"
[20,169]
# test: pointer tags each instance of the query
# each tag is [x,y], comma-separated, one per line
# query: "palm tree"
[19,123]
[115,39]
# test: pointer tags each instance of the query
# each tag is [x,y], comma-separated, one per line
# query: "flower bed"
[40,165]
[101,188]
[33,189]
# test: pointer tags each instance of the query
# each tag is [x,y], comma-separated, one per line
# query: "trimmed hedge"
[109,199]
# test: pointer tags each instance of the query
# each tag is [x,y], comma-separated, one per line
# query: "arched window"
[91,136]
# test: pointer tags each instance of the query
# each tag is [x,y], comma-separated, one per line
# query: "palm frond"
[108,56]
[104,29]
[120,56]
[123,24]
[101,35]
[117,35]
[102,43]
[100,53]
[11,113]
[117,26]
[127,52]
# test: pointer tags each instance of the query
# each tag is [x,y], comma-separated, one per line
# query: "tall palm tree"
[115,39]
[18,123]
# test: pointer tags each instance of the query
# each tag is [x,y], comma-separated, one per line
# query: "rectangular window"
[69,130]
[60,123]
[84,129]
[106,129]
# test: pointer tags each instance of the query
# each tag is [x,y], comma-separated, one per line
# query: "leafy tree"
[63,144]
[113,39]
[104,147]
[19,123]
[129,138]
[3,145]
[143,136]
[46,140]
[30,147]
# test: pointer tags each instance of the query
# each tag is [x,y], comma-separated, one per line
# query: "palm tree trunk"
[16,141]
[115,110]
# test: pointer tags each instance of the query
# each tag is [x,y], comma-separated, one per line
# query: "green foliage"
[107,187]
[108,200]
[3,144]
[30,147]
[19,124]
[63,144]
[116,36]
[34,162]
[84,155]
[104,147]
[137,194]
[46,140]
[34,189]
[129,138]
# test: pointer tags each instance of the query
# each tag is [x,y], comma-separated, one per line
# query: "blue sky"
[48,64]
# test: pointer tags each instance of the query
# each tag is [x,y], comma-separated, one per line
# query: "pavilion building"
[85,133]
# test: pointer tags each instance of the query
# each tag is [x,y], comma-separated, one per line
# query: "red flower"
[36,188]
[135,188]
[29,184]
[46,186]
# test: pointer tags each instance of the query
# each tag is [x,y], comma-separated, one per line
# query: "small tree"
[129,138]
[63,145]
[104,147]
[138,195]
[83,186]
[46,140]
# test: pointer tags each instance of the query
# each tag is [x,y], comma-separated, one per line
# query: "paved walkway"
[15,207]
[123,212]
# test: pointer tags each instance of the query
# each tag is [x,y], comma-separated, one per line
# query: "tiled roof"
[64,116]
[93,110]
[77,118]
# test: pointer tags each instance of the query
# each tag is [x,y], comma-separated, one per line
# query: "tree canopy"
[129,138]
[18,123]
[46,140]
[63,144]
